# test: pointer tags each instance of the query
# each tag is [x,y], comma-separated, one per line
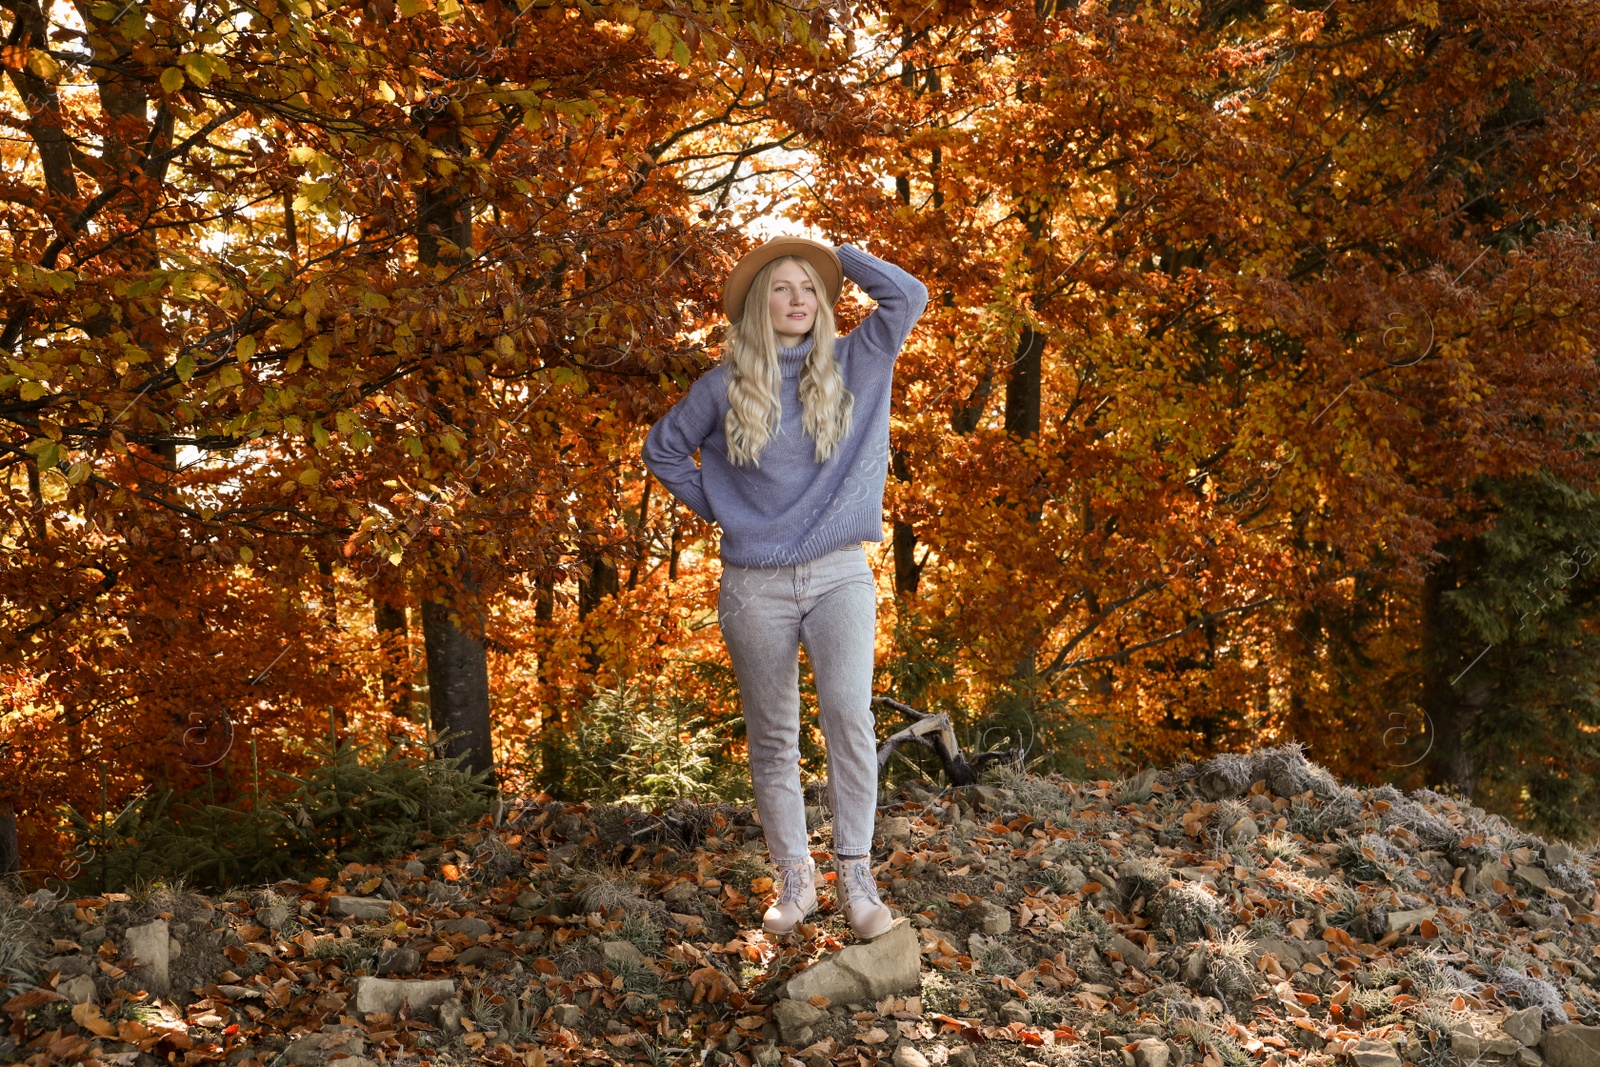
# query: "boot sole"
[788,929]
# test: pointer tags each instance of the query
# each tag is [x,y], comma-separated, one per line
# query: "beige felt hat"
[819,255]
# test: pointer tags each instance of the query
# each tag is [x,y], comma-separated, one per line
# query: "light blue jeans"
[829,605]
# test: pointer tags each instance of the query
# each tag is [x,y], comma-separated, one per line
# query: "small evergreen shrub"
[634,745]
[345,810]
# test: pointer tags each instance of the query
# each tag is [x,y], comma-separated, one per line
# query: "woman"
[793,432]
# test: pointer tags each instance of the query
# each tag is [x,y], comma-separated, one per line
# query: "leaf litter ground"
[1246,910]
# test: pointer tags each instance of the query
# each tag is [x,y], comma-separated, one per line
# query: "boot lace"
[858,882]
[793,880]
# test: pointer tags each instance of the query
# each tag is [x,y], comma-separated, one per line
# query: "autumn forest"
[1256,398]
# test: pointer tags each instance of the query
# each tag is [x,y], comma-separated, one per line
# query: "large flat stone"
[152,944]
[795,1018]
[386,994]
[358,907]
[1571,1046]
[1370,1052]
[1527,1026]
[866,972]
[1131,954]
[1398,920]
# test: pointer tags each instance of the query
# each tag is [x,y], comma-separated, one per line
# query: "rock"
[569,826]
[529,900]
[794,1017]
[386,994]
[415,868]
[1526,1025]
[864,972]
[1071,879]
[568,1015]
[481,956]
[1291,954]
[358,907]
[151,944]
[906,1055]
[312,1050]
[1532,875]
[1571,1045]
[274,916]
[990,917]
[1498,1043]
[964,1056]
[622,951]
[69,966]
[1243,830]
[450,1013]
[986,794]
[1488,874]
[1399,920]
[1370,1052]
[1131,954]
[1526,1057]
[1014,1011]
[472,926]
[1464,1040]
[78,989]
[1151,1052]
[402,960]
[896,829]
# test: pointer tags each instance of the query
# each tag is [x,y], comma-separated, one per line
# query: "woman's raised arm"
[901,299]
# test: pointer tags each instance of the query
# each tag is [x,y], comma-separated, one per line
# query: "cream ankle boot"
[858,897]
[797,897]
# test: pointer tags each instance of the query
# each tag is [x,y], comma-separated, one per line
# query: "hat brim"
[826,261]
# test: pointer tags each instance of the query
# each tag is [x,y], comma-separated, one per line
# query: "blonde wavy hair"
[755,405]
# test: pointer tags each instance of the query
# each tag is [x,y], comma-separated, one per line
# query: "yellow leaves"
[87,1015]
[245,350]
[285,334]
[409,8]
[319,350]
[311,193]
[201,67]
[43,64]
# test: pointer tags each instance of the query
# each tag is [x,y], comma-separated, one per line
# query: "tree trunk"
[1455,687]
[10,851]
[458,662]
[390,620]
[1024,394]
[601,583]
[458,685]
[907,568]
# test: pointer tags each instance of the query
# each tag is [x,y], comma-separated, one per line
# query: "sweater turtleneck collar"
[790,360]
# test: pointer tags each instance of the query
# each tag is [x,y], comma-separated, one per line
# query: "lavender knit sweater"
[791,509]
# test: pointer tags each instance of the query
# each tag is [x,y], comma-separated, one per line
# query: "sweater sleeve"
[670,446]
[901,299]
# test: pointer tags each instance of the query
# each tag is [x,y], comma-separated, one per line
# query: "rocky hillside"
[1247,910]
